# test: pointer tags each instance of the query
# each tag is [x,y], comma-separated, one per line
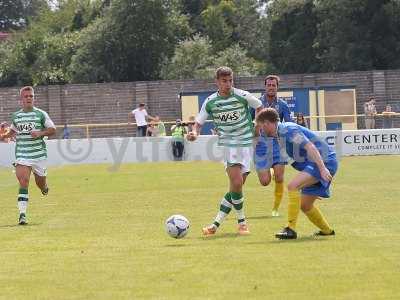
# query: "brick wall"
[111,102]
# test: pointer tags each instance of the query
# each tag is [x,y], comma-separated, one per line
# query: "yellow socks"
[316,217]
[293,208]
[278,195]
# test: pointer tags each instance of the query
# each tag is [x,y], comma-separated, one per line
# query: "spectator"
[141,117]
[388,117]
[160,126]
[178,134]
[151,129]
[301,121]
[370,112]
[66,132]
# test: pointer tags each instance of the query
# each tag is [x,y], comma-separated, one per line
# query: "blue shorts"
[268,153]
[321,188]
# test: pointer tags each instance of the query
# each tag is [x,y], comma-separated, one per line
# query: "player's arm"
[255,103]
[315,156]
[298,139]
[49,130]
[148,117]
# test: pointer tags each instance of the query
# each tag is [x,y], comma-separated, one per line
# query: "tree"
[70,15]
[237,58]
[193,9]
[11,15]
[16,14]
[293,31]
[218,23]
[358,35]
[246,25]
[129,43]
[192,59]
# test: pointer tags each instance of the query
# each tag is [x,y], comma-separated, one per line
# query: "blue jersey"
[296,137]
[280,106]
[268,152]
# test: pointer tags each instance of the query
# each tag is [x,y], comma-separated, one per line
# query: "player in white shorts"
[29,126]
[229,108]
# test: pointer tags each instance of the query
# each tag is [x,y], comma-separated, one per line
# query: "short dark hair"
[272,77]
[223,71]
[268,114]
[142,104]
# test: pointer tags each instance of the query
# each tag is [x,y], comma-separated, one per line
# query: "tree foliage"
[127,40]
[195,58]
[293,31]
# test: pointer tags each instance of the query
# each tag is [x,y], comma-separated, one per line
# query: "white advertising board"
[115,151]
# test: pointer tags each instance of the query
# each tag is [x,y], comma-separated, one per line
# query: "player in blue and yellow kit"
[316,163]
[267,158]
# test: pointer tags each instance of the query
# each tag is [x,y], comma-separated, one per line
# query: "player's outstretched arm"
[313,154]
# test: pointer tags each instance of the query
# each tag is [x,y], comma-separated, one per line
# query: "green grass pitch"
[100,235]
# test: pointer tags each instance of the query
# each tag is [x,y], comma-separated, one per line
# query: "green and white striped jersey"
[231,117]
[23,123]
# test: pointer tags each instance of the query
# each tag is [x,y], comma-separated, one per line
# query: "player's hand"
[36,134]
[325,174]
[191,136]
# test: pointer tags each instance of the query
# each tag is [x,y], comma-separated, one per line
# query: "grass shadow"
[176,245]
[261,217]
[302,239]
[227,235]
[17,225]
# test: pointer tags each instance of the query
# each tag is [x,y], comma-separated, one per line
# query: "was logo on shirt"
[228,116]
[26,127]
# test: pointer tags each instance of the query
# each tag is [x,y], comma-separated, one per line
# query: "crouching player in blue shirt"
[317,164]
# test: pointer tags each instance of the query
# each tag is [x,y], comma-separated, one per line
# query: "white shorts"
[39,167]
[238,156]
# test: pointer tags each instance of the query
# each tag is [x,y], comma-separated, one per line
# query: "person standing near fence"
[66,132]
[301,121]
[178,133]
[29,125]
[140,114]
[370,112]
[160,126]
[388,117]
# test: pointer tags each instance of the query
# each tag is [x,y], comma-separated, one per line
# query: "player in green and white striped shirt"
[29,126]
[229,110]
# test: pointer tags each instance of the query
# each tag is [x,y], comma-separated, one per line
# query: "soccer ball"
[177,226]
